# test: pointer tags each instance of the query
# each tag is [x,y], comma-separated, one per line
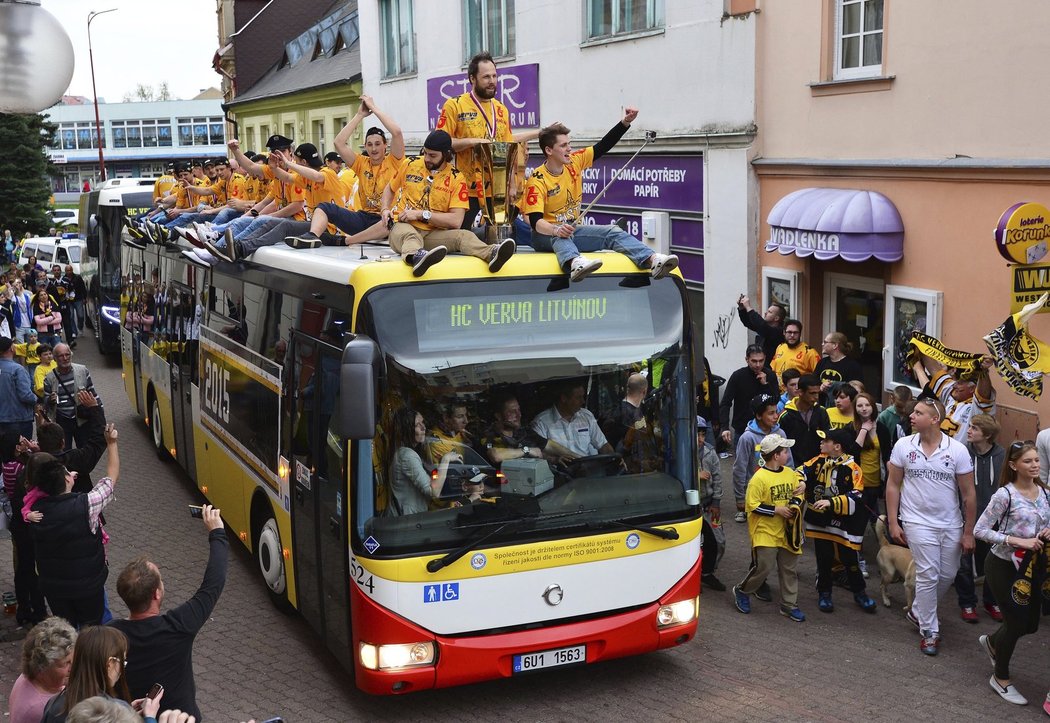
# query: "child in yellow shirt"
[47,363]
[30,350]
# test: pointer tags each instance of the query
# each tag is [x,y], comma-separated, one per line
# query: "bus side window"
[61,257]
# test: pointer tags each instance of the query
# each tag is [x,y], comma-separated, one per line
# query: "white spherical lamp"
[36,57]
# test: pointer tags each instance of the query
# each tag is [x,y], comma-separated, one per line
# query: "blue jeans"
[238,226]
[593,238]
[522,232]
[350,222]
[225,216]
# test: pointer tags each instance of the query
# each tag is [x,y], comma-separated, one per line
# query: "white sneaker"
[205,256]
[660,265]
[581,268]
[1009,693]
[740,516]
[863,567]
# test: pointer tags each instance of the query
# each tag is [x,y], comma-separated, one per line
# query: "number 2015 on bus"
[216,389]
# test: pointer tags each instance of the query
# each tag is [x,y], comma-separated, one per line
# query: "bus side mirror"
[92,236]
[359,374]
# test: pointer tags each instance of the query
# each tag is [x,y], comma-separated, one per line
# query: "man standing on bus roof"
[374,169]
[427,199]
[475,118]
[553,195]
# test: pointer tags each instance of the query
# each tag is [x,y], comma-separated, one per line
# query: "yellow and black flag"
[931,347]
[1020,358]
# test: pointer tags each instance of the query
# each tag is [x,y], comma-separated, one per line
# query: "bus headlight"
[396,656]
[111,314]
[678,613]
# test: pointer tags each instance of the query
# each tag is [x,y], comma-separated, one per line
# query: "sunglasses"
[1020,444]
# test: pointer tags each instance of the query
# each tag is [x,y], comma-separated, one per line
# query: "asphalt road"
[252,661]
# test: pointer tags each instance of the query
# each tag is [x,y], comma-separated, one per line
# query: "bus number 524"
[216,390]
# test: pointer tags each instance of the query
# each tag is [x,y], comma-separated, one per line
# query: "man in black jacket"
[745,384]
[803,417]
[770,327]
[160,646]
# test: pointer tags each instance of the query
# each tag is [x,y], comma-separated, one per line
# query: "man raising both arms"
[473,119]
[552,202]
[374,171]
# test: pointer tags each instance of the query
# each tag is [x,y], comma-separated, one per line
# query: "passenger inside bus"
[452,431]
[507,438]
[412,487]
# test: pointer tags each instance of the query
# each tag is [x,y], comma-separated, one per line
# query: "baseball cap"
[308,152]
[760,401]
[438,141]
[209,162]
[196,162]
[332,156]
[702,423]
[773,442]
[840,436]
[277,142]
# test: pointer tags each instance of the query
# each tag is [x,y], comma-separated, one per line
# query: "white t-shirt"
[929,492]
[580,434]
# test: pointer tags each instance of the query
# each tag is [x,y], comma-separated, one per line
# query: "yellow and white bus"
[275,382]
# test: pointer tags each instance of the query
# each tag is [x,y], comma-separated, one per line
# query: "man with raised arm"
[374,170]
[473,119]
[553,195]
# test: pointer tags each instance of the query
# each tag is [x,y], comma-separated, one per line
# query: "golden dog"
[895,564]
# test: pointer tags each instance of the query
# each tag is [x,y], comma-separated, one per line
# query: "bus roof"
[381,265]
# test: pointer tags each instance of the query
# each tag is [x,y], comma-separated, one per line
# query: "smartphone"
[156,690]
[196,511]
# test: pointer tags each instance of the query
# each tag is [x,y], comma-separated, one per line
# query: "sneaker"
[994,612]
[332,239]
[763,593]
[133,230]
[793,614]
[162,233]
[660,265]
[986,644]
[136,243]
[824,602]
[866,603]
[1009,693]
[863,567]
[742,600]
[212,246]
[149,229]
[205,256]
[235,251]
[581,268]
[724,455]
[308,240]
[422,260]
[203,231]
[740,516]
[501,254]
[174,233]
[930,642]
[910,617]
[1046,704]
[193,257]
[969,615]
[709,580]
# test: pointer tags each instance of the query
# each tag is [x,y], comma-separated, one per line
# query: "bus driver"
[569,424]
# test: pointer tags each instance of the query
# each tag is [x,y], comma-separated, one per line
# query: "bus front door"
[318,480]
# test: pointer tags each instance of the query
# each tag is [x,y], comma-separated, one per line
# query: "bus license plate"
[528,662]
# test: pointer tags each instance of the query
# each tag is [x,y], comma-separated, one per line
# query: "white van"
[50,250]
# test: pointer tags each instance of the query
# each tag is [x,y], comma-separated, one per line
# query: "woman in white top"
[412,487]
[1020,510]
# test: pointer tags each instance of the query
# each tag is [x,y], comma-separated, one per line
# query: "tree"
[144,93]
[25,190]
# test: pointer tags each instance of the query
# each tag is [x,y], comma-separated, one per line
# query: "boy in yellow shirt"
[775,496]
[47,363]
[30,350]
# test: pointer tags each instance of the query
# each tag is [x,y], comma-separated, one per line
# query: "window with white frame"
[141,133]
[908,310]
[77,136]
[489,26]
[858,38]
[201,131]
[619,17]
[398,37]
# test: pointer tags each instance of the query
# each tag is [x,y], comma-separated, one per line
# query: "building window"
[141,133]
[201,131]
[398,37]
[319,139]
[489,26]
[620,17]
[77,136]
[858,38]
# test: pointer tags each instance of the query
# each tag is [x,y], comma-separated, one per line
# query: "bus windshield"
[563,409]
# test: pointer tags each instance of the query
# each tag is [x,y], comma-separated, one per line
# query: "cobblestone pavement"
[254,661]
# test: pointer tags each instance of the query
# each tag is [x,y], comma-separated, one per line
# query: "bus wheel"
[269,555]
[156,429]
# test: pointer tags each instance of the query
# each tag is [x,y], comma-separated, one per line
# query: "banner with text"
[519,90]
[650,183]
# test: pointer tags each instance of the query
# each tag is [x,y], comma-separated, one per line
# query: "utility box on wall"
[656,231]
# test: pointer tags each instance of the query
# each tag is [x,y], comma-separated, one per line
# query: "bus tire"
[270,559]
[156,429]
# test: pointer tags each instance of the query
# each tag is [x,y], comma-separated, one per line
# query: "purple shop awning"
[836,222]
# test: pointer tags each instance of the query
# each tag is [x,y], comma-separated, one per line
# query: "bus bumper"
[466,659]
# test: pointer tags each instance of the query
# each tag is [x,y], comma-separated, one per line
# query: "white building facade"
[139,139]
[688,65]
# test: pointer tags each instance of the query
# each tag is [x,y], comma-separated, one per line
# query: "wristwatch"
[254,212]
[525,450]
[426,216]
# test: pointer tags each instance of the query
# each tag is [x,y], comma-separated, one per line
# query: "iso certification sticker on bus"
[478,561]
[633,540]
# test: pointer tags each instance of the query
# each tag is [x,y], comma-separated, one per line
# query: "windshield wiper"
[671,534]
[503,524]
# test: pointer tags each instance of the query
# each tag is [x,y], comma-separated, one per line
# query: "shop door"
[855,306]
[318,472]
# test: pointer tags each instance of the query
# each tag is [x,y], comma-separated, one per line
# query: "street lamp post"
[98,123]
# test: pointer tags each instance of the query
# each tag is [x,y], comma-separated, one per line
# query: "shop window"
[489,25]
[908,310]
[858,38]
[780,286]
[606,18]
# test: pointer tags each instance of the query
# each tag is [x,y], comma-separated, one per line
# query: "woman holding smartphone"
[1015,522]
